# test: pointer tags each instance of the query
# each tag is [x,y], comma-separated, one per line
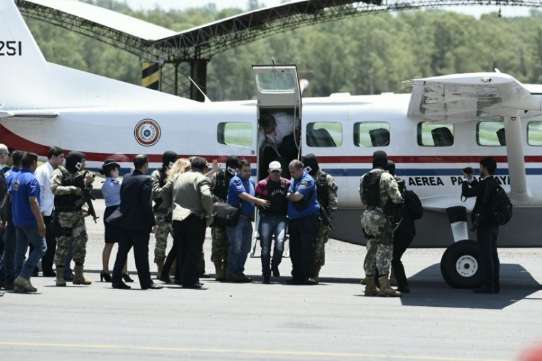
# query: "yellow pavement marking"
[284,353]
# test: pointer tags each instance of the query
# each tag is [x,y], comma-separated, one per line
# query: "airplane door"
[278,98]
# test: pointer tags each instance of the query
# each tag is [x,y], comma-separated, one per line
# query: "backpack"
[413,205]
[501,210]
[370,189]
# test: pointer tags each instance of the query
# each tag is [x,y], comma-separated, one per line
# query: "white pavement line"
[112,347]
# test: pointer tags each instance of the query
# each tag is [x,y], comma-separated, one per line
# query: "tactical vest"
[161,182]
[69,202]
[322,189]
[370,189]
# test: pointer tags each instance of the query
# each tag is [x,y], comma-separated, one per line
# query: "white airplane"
[446,124]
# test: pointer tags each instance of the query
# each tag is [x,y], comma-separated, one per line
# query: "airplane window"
[534,133]
[431,134]
[324,134]
[490,134]
[372,134]
[236,134]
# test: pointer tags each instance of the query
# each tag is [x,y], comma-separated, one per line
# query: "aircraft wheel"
[459,265]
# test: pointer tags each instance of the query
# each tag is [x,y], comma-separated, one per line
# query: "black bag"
[370,189]
[225,215]
[502,207]
[413,205]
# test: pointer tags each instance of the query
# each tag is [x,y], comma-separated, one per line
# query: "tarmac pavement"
[331,321]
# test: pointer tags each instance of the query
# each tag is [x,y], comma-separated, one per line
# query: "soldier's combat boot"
[60,281]
[22,285]
[393,280]
[316,276]
[159,266]
[370,287]
[78,278]
[385,288]
[220,272]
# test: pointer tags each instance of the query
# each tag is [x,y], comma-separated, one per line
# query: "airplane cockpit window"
[235,134]
[490,134]
[324,134]
[371,134]
[431,134]
[534,133]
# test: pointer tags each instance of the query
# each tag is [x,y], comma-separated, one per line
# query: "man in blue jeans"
[273,219]
[28,220]
[241,193]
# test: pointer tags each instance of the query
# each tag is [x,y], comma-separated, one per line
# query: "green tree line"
[366,54]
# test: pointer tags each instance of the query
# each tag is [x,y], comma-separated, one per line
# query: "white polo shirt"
[47,198]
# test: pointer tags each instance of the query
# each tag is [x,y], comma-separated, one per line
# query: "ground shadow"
[428,289]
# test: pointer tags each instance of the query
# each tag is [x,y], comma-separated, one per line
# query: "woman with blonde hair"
[180,166]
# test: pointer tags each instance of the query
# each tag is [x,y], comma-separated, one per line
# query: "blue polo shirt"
[23,186]
[309,205]
[238,186]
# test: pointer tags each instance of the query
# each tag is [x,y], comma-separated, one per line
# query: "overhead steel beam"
[206,41]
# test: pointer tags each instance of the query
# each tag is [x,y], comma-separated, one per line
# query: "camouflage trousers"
[162,231]
[219,250]
[378,258]
[379,235]
[71,233]
[320,249]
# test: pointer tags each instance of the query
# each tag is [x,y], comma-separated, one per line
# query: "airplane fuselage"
[434,173]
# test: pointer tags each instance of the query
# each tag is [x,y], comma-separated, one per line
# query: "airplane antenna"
[207,100]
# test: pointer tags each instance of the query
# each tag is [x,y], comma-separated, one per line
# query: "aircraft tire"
[459,265]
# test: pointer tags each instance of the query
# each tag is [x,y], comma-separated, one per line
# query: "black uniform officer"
[487,229]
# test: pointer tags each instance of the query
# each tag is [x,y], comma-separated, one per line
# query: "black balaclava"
[73,161]
[310,161]
[232,165]
[168,158]
[380,159]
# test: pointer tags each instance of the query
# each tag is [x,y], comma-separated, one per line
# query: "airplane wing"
[469,97]
[35,114]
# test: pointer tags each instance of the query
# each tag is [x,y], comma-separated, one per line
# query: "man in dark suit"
[487,229]
[135,224]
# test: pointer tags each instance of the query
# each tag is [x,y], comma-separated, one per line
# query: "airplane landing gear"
[459,265]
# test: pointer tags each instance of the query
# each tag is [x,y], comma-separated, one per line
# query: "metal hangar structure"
[157,46]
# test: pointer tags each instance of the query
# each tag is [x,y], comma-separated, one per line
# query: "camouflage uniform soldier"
[326,189]
[162,215]
[219,253]
[68,185]
[378,189]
